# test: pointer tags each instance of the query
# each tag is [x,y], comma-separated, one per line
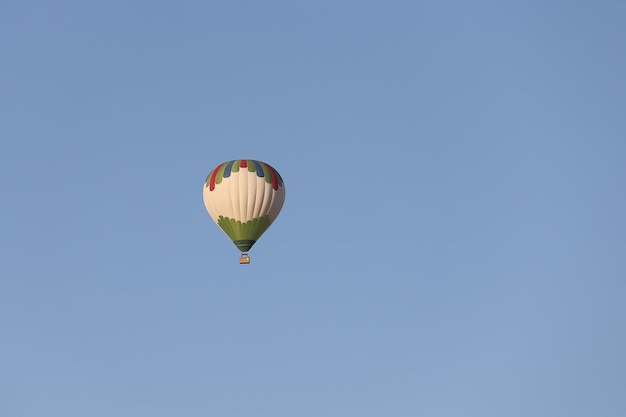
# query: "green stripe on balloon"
[244,245]
[244,235]
[220,174]
[266,173]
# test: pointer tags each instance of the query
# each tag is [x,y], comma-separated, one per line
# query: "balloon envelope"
[244,198]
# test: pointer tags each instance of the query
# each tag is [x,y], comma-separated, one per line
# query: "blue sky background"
[453,240]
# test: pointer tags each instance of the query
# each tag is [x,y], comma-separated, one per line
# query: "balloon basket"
[244,259]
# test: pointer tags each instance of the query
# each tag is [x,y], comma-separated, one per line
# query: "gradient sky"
[453,240]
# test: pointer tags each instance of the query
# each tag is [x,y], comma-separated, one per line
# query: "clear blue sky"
[453,241]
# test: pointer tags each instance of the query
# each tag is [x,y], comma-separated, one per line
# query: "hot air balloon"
[244,198]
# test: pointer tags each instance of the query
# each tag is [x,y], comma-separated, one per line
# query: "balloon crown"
[225,169]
